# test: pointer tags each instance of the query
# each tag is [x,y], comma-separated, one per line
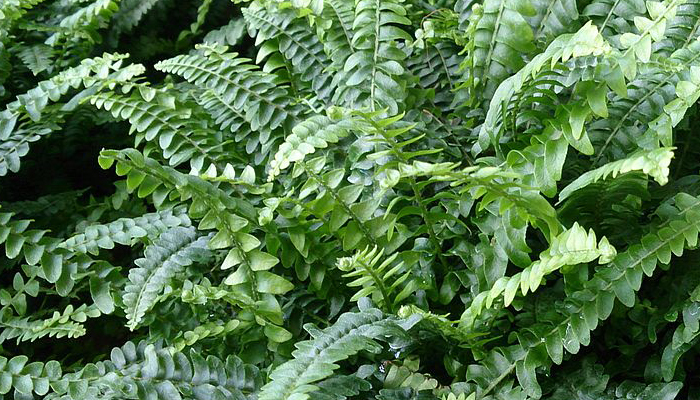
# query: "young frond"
[388,281]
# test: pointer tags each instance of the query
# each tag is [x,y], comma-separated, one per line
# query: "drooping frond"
[654,163]
[571,247]
[124,230]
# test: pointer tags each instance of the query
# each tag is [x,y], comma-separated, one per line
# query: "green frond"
[388,281]
[502,36]
[166,122]
[313,133]
[84,21]
[553,18]
[571,247]
[151,370]
[265,104]
[230,34]
[37,58]
[684,336]
[174,250]
[406,375]
[682,29]
[654,163]
[316,359]
[586,42]
[233,219]
[130,14]
[207,330]
[295,41]
[66,324]
[654,99]
[614,16]
[125,230]
[437,67]
[377,62]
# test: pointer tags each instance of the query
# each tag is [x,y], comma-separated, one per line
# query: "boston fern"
[349,199]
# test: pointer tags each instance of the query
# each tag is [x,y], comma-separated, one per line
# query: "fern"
[513,184]
[374,279]
[376,60]
[573,246]
[315,359]
[167,256]
[125,230]
[654,163]
[501,36]
[296,42]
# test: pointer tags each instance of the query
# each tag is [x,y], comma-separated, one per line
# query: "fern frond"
[684,337]
[377,60]
[232,217]
[313,133]
[654,163]
[130,14]
[26,378]
[554,18]
[228,35]
[682,29]
[167,121]
[295,41]
[378,280]
[316,359]
[437,67]
[501,37]
[124,230]
[614,16]
[174,250]
[586,42]
[265,103]
[85,21]
[571,247]
[61,324]
[37,58]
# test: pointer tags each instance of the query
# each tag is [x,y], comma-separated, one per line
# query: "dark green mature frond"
[377,60]
[130,14]
[501,38]
[256,95]
[682,29]
[614,16]
[92,74]
[437,67]
[174,250]
[295,41]
[316,359]
[168,123]
[553,18]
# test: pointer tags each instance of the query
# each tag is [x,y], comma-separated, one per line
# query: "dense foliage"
[349,199]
